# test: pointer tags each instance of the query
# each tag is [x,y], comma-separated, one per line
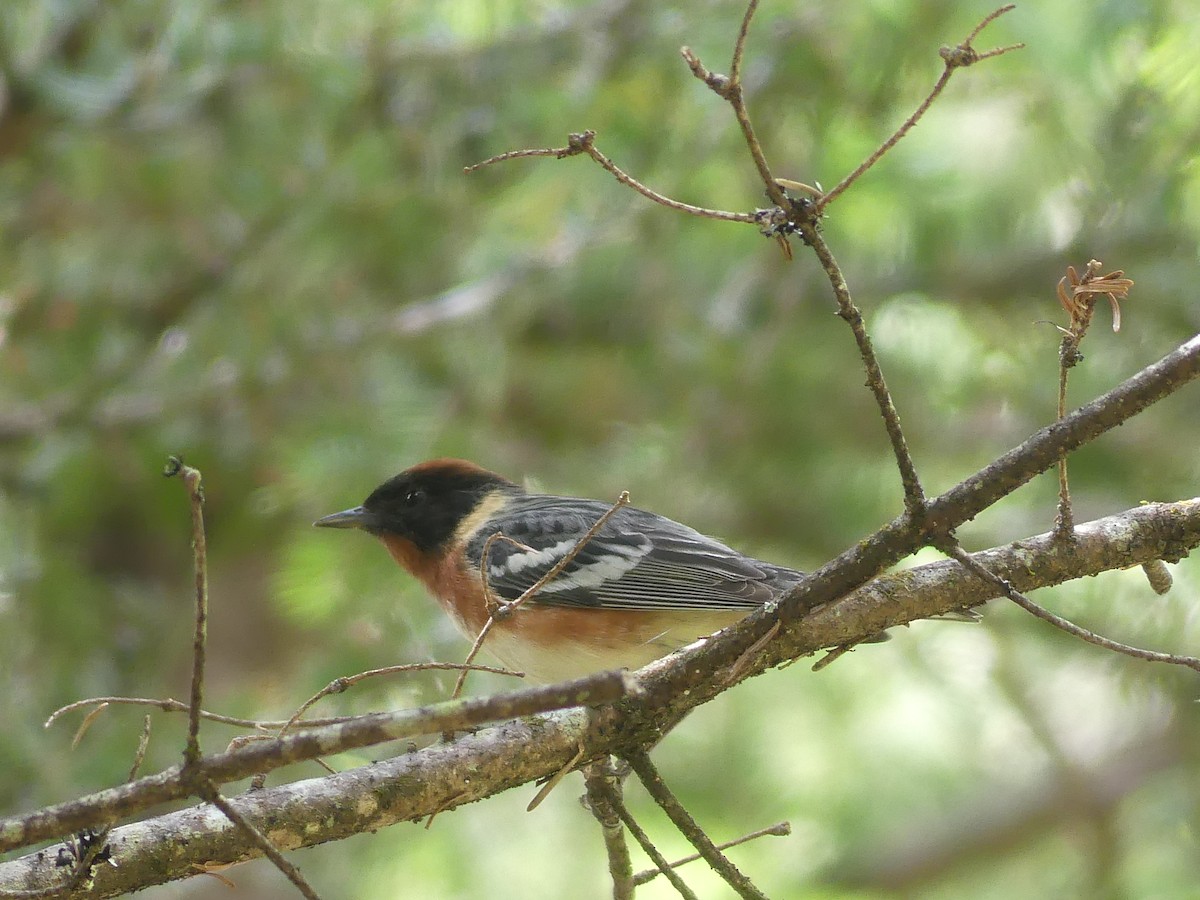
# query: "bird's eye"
[414,497]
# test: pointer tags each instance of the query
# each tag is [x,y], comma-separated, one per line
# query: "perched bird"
[640,588]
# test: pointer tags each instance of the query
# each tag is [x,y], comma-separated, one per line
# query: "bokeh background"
[241,232]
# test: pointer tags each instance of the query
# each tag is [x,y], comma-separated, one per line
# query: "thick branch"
[678,688]
[414,785]
[365,731]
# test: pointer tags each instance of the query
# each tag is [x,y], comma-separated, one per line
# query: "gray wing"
[638,560]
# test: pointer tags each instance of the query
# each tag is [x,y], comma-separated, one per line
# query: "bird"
[638,589]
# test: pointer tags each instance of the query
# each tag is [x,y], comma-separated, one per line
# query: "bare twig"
[476,646]
[657,788]
[914,494]
[525,750]
[338,685]
[832,656]
[556,152]
[954,58]
[791,216]
[361,731]
[554,780]
[643,839]
[139,755]
[196,782]
[191,480]
[739,44]
[86,724]
[670,688]
[729,87]
[737,100]
[956,551]
[584,142]
[603,788]
[779,829]
[489,596]
[739,666]
[1080,304]
[260,840]
[1064,522]
[169,704]
[805,218]
[504,609]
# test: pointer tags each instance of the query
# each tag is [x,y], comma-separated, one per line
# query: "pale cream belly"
[535,642]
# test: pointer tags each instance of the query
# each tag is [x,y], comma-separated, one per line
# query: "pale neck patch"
[486,508]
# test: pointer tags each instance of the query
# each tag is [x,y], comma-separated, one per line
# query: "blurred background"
[241,232]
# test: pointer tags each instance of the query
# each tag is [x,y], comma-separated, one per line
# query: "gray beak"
[358,517]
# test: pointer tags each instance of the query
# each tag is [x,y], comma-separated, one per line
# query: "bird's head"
[425,504]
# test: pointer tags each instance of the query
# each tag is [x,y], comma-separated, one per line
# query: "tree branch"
[412,786]
[363,731]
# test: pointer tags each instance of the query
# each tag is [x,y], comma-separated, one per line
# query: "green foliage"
[241,232]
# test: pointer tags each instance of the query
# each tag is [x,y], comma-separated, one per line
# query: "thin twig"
[954,58]
[489,596]
[739,45]
[361,731]
[443,806]
[1078,295]
[1064,522]
[914,494]
[169,704]
[583,142]
[505,609]
[139,755]
[554,780]
[729,87]
[476,646]
[832,656]
[603,788]
[735,671]
[86,724]
[260,840]
[956,551]
[338,685]
[647,845]
[737,99]
[556,152]
[779,829]
[191,480]
[589,147]
[657,788]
